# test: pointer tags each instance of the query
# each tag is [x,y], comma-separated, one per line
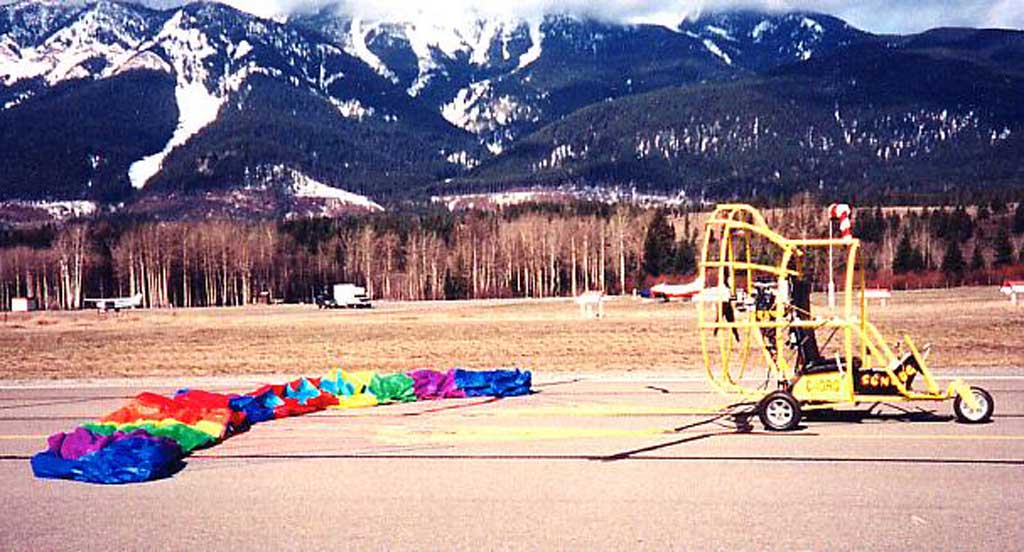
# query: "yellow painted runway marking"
[466,434]
[404,435]
[584,410]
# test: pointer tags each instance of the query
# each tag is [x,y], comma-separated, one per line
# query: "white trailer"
[345,296]
[351,295]
[24,304]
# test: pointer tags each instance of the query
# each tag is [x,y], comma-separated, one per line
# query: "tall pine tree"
[953,264]
[685,258]
[659,245]
[1002,249]
[907,256]
[978,258]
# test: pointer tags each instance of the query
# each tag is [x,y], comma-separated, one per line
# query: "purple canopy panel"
[429,384]
[81,441]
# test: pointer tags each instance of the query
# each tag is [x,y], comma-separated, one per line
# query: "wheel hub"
[976,413]
[779,412]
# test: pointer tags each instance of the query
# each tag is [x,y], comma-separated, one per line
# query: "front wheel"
[779,411]
[968,415]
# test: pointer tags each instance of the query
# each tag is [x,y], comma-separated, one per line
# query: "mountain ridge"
[914,123]
[207,99]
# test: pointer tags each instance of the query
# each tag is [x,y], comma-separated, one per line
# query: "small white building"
[24,304]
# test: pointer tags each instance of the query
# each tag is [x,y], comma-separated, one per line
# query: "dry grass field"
[969,328]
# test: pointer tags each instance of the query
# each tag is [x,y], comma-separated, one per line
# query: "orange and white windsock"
[842,212]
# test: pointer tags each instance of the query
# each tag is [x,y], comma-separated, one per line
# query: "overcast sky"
[879,16]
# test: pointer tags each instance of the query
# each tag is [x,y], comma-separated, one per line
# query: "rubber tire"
[964,418]
[772,424]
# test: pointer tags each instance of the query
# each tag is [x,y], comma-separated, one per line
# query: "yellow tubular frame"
[742,221]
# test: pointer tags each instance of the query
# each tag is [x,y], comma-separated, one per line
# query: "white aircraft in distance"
[677,291]
[115,303]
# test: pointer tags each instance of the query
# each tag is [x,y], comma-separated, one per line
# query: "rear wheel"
[967,415]
[779,411]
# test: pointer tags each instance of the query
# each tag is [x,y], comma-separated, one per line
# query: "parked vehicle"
[344,296]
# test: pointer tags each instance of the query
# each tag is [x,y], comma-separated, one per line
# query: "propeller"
[728,313]
[730,316]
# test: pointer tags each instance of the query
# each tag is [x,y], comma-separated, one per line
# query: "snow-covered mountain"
[204,104]
[925,114]
[755,42]
[503,78]
[203,95]
[220,61]
[45,43]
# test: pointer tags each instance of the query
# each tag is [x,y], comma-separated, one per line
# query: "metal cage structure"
[755,312]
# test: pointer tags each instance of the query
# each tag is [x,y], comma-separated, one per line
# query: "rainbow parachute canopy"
[149,437]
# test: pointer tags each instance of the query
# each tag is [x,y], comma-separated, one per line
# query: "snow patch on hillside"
[462,158]
[565,194]
[58,211]
[197,106]
[465,202]
[62,210]
[303,186]
[18,100]
[714,49]
[459,111]
[353,109]
[8,50]
[356,46]
[812,25]
[719,32]
[482,44]
[243,49]
[424,39]
[478,109]
[761,29]
[15,67]
[536,47]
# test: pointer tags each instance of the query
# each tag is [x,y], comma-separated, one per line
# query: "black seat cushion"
[825,365]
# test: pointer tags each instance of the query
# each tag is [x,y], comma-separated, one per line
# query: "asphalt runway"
[588,462]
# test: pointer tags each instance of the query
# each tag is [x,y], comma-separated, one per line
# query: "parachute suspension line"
[740,418]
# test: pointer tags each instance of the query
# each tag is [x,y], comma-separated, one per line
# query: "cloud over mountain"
[879,16]
[874,15]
